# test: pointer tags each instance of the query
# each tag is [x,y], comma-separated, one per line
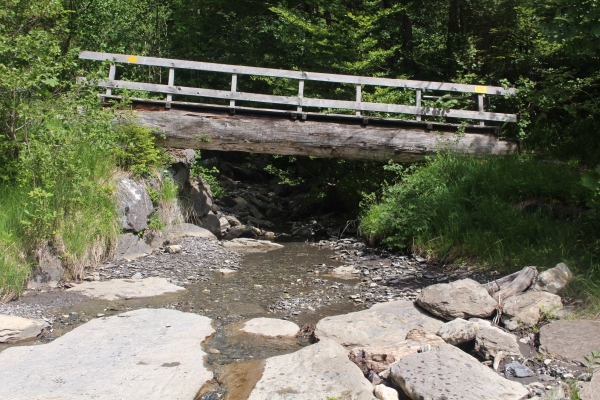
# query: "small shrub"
[138,152]
[209,175]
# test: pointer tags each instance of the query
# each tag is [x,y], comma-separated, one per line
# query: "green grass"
[467,209]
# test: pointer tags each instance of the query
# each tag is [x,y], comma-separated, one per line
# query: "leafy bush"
[139,154]
[209,175]
[498,211]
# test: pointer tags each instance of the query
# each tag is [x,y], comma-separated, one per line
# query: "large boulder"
[49,270]
[271,327]
[490,340]
[126,288]
[525,309]
[320,371]
[461,299]
[250,245]
[446,372]
[134,205]
[384,324]
[212,223]
[16,329]
[554,279]
[200,196]
[458,331]
[378,359]
[143,354]
[571,340]
[131,247]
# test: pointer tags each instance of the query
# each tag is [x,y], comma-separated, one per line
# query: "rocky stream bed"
[258,303]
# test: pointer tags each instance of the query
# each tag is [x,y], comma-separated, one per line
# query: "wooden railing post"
[111,77]
[300,94]
[419,96]
[233,90]
[171,83]
[480,107]
[358,98]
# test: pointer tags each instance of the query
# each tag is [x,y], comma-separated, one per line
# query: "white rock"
[491,340]
[448,372]
[16,329]
[345,272]
[126,288]
[319,371]
[271,327]
[130,356]
[458,331]
[383,392]
[250,245]
[384,324]
[554,279]
[174,249]
[461,299]
[226,271]
[134,205]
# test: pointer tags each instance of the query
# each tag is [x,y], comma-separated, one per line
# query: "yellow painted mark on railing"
[481,89]
[132,59]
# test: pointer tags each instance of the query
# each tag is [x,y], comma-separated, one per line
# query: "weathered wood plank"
[263,134]
[308,102]
[308,76]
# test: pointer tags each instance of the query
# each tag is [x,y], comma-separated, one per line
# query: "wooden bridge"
[310,126]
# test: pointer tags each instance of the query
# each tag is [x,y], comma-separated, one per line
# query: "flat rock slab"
[250,245]
[188,230]
[320,371]
[346,272]
[384,324]
[446,372]
[271,327]
[16,329]
[571,340]
[591,390]
[126,288]
[461,299]
[143,354]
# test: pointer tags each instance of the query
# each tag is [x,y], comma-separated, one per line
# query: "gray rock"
[188,230]
[186,157]
[173,249]
[250,245]
[348,272]
[137,275]
[134,205]
[591,390]
[48,272]
[458,331]
[131,247]
[491,340]
[446,372]
[525,309]
[517,370]
[233,221]
[143,354]
[226,271]
[180,175]
[383,392]
[384,324]
[554,279]
[200,196]
[224,222]
[126,288]
[461,299]
[16,329]
[154,239]
[319,371]
[304,231]
[271,327]
[571,340]
[211,222]
[240,204]
[377,359]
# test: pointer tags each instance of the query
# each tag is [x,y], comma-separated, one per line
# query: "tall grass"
[500,213]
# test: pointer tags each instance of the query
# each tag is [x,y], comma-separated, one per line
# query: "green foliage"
[139,154]
[155,223]
[592,362]
[209,175]
[497,210]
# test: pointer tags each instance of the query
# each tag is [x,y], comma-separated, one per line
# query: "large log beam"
[337,138]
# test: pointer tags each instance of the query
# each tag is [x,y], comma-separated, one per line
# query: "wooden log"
[255,133]
[512,284]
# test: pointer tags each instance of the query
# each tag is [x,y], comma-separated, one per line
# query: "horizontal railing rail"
[300,101]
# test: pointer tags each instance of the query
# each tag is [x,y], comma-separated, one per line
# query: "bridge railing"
[300,101]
